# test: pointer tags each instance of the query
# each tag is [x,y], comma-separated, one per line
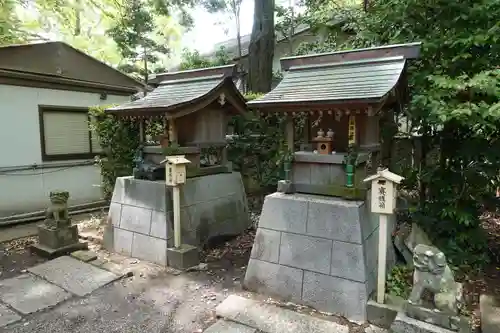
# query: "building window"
[65,134]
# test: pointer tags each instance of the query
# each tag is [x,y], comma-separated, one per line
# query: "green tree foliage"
[120,139]
[134,32]
[455,88]
[193,59]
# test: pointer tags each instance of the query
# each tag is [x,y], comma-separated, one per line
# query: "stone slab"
[335,295]
[75,276]
[27,293]
[382,315]
[273,279]
[335,218]
[266,245]
[51,253]
[306,252]
[273,319]
[7,316]
[405,324]
[284,212]
[348,261]
[122,241]
[84,256]
[184,257]
[490,314]
[136,219]
[227,326]
[150,249]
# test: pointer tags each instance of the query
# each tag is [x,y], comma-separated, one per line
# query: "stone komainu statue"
[433,274]
[58,210]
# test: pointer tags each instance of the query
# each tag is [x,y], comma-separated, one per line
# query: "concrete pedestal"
[141,214]
[54,242]
[183,257]
[317,250]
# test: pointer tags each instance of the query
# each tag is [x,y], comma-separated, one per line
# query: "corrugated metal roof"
[173,92]
[353,80]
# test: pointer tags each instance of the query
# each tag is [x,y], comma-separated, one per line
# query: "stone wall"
[141,214]
[317,250]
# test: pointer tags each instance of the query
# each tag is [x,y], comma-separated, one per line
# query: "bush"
[119,139]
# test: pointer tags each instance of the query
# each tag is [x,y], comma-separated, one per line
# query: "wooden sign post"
[383,202]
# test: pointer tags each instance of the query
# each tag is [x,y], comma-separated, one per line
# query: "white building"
[45,142]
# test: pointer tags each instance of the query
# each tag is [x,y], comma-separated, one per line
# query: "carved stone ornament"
[432,274]
[222,99]
[58,210]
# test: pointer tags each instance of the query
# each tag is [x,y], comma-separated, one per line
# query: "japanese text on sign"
[381,197]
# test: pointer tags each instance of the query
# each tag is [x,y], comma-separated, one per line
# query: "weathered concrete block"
[115,213]
[7,316]
[56,238]
[145,194]
[84,256]
[161,225]
[490,314]
[382,315]
[306,252]
[281,281]
[348,261]
[405,324]
[301,173]
[122,241]
[150,249]
[266,245]
[271,318]
[284,212]
[136,219]
[336,295]
[183,257]
[334,218]
[285,186]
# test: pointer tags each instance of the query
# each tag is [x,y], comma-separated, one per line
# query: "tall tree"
[261,49]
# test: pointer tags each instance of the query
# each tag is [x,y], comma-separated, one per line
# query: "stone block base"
[285,186]
[489,307]
[59,237]
[316,250]
[405,324]
[141,214]
[183,257]
[52,253]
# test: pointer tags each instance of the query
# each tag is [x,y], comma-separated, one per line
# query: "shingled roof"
[364,76]
[192,88]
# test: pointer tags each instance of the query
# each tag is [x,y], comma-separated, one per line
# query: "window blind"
[66,133]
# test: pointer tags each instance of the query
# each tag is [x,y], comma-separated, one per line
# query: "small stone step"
[225,326]
[489,307]
[273,319]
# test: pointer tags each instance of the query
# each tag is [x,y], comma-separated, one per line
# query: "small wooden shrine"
[343,96]
[193,107]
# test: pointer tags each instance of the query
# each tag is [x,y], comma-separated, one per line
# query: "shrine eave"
[174,98]
[360,82]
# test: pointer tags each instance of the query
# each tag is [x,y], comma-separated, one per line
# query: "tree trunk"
[261,49]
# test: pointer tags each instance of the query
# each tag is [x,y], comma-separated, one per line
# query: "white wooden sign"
[175,170]
[383,199]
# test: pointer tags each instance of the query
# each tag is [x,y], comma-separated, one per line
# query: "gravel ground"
[168,304]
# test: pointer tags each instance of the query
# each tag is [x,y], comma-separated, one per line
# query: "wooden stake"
[382,258]
[177,216]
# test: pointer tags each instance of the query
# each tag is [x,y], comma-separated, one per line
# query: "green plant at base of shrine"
[172,149]
[399,281]
[119,139]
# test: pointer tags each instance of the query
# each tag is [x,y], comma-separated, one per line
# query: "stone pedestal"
[317,250]
[57,238]
[141,214]
[183,257]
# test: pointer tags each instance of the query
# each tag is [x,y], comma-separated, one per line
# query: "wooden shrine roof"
[363,76]
[193,89]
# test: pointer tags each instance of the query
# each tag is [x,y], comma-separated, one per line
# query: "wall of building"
[20,146]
